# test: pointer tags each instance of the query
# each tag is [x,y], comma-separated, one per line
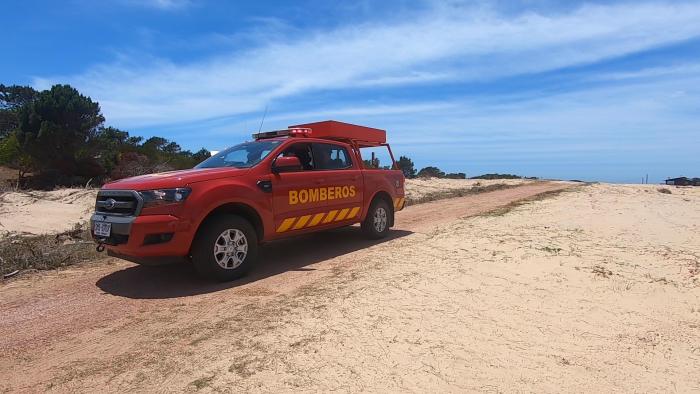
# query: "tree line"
[58,137]
[409,171]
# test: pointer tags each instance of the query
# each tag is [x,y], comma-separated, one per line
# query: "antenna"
[263,119]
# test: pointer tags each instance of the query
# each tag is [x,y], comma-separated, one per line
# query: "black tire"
[369,228]
[212,232]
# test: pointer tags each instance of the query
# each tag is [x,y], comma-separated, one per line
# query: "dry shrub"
[441,195]
[664,190]
[42,252]
[135,164]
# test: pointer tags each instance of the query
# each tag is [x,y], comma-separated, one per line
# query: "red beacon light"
[300,132]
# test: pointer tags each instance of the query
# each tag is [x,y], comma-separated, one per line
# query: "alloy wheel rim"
[230,249]
[380,219]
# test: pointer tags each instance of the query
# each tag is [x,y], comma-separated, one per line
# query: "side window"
[376,157]
[331,157]
[303,152]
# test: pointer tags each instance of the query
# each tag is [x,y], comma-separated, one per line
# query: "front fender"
[207,198]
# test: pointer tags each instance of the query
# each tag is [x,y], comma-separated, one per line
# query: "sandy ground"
[39,212]
[595,289]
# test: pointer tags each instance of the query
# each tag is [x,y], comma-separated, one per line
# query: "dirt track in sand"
[124,327]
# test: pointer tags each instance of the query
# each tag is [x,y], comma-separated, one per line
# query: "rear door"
[341,182]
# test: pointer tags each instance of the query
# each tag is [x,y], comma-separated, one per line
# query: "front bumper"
[133,235]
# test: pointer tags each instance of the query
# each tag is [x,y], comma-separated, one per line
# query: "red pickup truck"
[306,178]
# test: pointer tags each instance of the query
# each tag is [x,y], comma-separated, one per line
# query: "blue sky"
[587,90]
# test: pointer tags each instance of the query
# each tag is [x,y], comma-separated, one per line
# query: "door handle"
[320,181]
[265,186]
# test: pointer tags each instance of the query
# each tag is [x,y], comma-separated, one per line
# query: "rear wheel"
[376,223]
[225,248]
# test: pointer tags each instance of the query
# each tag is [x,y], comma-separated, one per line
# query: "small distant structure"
[683,181]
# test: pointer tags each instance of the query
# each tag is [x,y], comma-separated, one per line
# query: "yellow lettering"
[313,195]
[303,196]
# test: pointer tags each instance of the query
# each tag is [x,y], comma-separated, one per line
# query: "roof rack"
[360,136]
[332,129]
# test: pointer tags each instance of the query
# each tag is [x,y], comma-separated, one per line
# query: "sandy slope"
[596,289]
[39,212]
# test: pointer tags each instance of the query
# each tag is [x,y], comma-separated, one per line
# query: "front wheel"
[376,223]
[225,248]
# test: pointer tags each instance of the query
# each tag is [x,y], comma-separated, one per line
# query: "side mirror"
[286,164]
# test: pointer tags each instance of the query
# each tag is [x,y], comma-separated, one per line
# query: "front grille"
[118,202]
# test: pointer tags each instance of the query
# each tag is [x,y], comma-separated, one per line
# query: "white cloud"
[444,43]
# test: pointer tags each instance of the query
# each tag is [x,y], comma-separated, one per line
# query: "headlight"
[154,198]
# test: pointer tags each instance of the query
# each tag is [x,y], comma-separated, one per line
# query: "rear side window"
[376,157]
[330,157]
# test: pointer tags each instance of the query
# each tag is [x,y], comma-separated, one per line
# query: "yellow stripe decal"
[342,214]
[302,222]
[316,219]
[285,225]
[330,216]
[353,212]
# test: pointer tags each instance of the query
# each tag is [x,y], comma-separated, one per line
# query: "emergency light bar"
[291,132]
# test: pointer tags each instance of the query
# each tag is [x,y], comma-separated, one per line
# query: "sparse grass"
[538,197]
[441,195]
[551,249]
[41,252]
[664,190]
[202,382]
[601,271]
[661,280]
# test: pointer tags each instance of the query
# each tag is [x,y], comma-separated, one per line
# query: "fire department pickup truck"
[306,178]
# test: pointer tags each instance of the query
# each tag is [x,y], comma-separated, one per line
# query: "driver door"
[296,202]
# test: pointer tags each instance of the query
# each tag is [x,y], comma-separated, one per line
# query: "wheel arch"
[383,195]
[236,208]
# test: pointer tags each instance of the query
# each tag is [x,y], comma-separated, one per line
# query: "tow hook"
[100,247]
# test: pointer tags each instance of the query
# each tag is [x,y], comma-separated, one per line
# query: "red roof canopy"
[333,129]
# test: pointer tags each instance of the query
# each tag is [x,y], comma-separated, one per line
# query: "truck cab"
[283,183]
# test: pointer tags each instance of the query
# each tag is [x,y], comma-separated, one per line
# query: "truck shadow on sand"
[294,254]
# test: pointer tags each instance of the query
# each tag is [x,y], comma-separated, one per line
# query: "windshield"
[243,155]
